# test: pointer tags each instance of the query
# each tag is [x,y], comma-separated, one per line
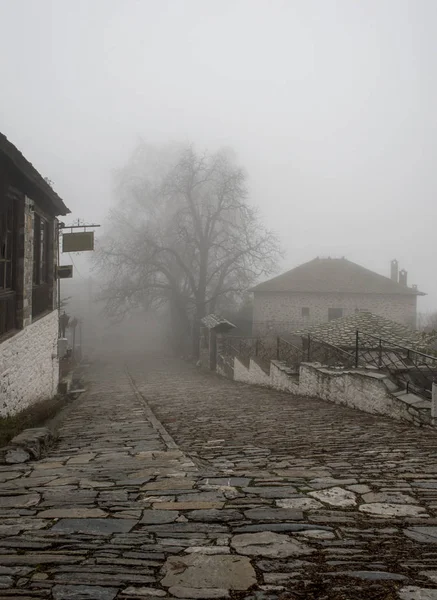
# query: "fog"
[329,106]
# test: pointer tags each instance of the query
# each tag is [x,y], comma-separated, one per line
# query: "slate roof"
[333,275]
[35,183]
[217,323]
[342,332]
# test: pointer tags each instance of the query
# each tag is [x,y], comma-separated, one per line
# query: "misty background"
[328,105]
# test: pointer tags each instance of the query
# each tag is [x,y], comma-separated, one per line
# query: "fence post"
[357,337]
[434,404]
[380,354]
[256,346]
[309,351]
[278,353]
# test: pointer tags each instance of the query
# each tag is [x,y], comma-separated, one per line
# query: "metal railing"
[7,312]
[323,352]
[305,349]
[413,370]
[291,354]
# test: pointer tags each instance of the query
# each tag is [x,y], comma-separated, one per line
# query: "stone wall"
[29,366]
[253,375]
[364,390]
[368,391]
[276,313]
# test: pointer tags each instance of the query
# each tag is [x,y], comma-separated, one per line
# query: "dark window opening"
[305,311]
[8,231]
[41,296]
[334,313]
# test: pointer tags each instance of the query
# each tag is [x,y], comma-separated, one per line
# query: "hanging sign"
[65,271]
[80,241]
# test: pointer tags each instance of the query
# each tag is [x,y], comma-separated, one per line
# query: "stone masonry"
[273,311]
[213,489]
[29,367]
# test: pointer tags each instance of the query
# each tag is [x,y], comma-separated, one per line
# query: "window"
[334,313]
[305,312]
[42,295]
[40,251]
[7,264]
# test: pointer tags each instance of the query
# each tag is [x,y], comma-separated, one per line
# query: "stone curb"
[156,424]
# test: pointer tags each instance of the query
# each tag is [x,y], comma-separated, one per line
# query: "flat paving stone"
[388,498]
[371,575]
[301,504]
[156,516]
[316,534]
[72,513]
[392,510]
[204,572]
[271,492]
[207,550]
[227,481]
[172,483]
[24,501]
[269,544]
[189,505]
[277,527]
[83,592]
[273,514]
[215,516]
[412,592]
[143,592]
[336,496]
[94,526]
[425,535]
[194,593]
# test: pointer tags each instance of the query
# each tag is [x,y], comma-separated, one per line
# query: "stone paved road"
[264,497]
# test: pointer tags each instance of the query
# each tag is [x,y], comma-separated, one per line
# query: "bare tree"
[185,236]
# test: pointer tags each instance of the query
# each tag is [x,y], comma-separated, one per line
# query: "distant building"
[329,288]
[29,366]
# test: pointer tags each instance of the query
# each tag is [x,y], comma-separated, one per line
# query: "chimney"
[394,268]
[403,277]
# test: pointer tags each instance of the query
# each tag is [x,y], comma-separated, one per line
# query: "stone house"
[29,365]
[329,288]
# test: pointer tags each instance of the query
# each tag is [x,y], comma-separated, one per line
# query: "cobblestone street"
[170,483]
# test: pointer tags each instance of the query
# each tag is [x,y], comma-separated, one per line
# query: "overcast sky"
[330,106]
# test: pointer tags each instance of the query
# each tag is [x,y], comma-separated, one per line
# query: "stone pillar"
[434,404]
[28,261]
[53,256]
[24,273]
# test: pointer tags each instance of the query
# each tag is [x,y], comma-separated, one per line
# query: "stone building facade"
[29,365]
[326,289]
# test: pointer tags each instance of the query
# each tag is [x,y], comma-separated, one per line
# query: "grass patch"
[34,416]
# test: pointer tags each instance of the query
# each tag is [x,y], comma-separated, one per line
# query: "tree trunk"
[180,327]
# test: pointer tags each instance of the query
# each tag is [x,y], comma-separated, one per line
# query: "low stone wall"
[29,366]
[366,391]
[369,391]
[254,374]
[282,378]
